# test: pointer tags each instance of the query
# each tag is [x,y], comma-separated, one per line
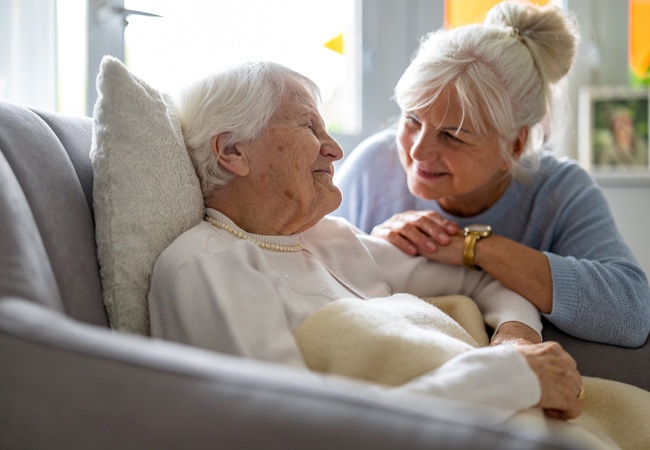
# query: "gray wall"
[603,61]
[391,33]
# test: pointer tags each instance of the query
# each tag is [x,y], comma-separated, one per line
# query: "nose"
[331,149]
[424,146]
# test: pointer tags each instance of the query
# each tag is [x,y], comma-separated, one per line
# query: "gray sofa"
[67,381]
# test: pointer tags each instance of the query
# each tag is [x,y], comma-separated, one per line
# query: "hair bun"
[550,34]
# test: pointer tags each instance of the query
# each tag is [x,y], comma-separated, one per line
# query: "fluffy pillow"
[146,191]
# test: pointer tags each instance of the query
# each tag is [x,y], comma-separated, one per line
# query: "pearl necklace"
[242,235]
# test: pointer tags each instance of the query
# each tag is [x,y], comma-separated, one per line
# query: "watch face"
[479,228]
[482,230]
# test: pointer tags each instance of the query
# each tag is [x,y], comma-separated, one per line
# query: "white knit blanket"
[392,340]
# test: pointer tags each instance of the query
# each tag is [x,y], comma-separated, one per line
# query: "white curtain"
[28,52]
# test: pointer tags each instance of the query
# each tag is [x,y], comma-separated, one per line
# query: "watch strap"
[469,247]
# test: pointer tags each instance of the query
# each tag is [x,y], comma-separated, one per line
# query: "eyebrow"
[447,128]
[455,129]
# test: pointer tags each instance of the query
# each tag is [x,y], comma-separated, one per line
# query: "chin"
[334,205]
[332,202]
[422,191]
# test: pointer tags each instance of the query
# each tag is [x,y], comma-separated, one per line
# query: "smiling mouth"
[326,170]
[426,174]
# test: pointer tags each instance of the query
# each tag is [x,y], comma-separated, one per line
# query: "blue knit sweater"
[600,293]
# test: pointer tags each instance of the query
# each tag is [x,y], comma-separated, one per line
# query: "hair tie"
[517,33]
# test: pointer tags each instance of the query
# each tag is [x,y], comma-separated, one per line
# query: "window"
[639,39]
[319,38]
[27,52]
[463,12]
[71,51]
[378,38]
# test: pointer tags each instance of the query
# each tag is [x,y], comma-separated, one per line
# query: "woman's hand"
[518,267]
[559,379]
[515,333]
[423,233]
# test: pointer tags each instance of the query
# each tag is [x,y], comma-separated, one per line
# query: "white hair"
[239,101]
[502,72]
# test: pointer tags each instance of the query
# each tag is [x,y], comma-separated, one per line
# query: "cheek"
[404,144]
[491,159]
[299,151]
[404,158]
[475,170]
[404,139]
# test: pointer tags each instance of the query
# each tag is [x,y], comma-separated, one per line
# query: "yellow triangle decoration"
[335,44]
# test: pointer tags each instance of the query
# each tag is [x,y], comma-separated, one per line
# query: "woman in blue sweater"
[471,147]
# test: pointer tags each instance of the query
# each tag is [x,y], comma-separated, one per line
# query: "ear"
[228,156]
[520,142]
[516,147]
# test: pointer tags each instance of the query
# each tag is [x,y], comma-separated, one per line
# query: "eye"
[317,127]
[411,120]
[451,138]
[310,126]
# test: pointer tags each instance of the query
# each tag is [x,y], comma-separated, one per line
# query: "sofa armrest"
[65,384]
[627,365]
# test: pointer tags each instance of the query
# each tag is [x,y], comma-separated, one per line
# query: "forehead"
[446,100]
[296,104]
[447,110]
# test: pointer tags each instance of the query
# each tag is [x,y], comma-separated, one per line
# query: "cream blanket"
[390,341]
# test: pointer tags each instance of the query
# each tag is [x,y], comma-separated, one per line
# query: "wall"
[631,209]
[602,60]
[391,34]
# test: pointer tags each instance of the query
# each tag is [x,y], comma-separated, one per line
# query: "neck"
[271,243]
[476,202]
[251,214]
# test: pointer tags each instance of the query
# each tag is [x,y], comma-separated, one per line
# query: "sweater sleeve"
[600,293]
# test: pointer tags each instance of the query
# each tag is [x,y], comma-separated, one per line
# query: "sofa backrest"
[47,235]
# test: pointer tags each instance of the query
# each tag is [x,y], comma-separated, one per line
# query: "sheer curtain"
[28,52]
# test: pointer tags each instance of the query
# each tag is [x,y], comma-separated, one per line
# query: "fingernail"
[443,238]
[431,245]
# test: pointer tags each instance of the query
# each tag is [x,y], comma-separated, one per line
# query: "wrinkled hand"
[423,233]
[558,377]
[515,333]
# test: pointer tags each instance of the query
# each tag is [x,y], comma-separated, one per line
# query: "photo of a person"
[620,134]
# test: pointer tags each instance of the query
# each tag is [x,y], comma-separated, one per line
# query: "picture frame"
[613,137]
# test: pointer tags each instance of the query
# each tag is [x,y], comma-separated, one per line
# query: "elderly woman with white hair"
[468,177]
[267,257]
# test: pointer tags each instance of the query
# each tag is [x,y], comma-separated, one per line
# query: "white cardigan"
[213,290]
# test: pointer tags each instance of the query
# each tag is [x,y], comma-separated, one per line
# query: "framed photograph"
[613,130]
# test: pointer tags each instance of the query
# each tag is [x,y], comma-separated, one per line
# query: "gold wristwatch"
[472,234]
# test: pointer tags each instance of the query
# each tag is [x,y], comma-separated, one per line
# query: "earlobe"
[228,156]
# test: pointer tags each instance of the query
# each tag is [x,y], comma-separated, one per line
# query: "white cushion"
[146,192]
